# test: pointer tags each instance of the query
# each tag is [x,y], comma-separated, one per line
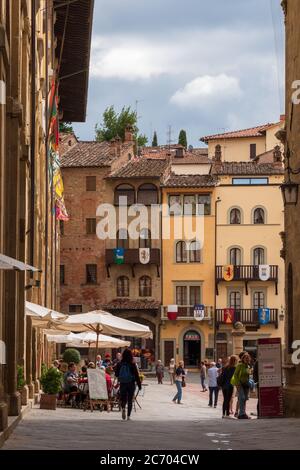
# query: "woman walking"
[172,370]
[128,375]
[227,388]
[179,382]
[241,380]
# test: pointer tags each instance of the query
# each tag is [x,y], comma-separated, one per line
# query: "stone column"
[29,382]
[35,361]
[238,334]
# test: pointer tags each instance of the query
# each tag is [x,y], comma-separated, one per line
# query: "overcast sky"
[204,66]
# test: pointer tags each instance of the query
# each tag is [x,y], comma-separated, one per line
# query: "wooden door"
[169,352]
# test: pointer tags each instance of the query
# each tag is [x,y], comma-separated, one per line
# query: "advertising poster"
[270,378]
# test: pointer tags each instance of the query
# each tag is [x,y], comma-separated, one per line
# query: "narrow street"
[160,425]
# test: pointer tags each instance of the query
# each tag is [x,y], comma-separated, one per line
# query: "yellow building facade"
[239,184]
[188,271]
[249,227]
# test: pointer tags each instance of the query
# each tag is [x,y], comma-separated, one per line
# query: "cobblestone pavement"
[160,424]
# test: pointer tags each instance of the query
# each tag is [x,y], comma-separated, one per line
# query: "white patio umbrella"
[42,315]
[89,339]
[63,338]
[99,321]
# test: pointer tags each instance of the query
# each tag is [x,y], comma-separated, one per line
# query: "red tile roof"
[127,304]
[88,154]
[141,168]
[190,181]
[246,169]
[257,131]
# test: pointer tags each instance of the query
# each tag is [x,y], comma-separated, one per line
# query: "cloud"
[207,88]
[131,58]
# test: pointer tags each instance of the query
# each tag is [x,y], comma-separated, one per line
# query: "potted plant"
[51,382]
[71,355]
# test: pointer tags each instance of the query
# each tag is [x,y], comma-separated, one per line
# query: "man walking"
[212,375]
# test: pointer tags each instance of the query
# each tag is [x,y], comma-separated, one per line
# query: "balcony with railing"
[186,312]
[132,258]
[247,273]
[247,316]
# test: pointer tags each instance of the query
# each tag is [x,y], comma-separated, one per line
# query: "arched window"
[145,286]
[122,238]
[122,286]
[235,216]
[235,256]
[181,253]
[235,300]
[259,256]
[259,216]
[147,194]
[195,252]
[124,195]
[145,238]
[290,308]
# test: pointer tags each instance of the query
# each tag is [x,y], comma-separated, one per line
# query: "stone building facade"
[31,57]
[291,249]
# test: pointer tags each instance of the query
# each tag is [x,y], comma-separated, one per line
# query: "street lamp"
[289,189]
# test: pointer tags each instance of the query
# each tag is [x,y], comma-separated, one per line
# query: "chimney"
[129,134]
[116,144]
[277,157]
[218,154]
[179,152]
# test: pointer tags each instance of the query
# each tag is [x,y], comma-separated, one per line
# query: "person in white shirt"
[212,375]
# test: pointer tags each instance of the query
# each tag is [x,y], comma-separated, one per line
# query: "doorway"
[192,349]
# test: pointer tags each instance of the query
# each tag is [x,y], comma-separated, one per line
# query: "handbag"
[183,382]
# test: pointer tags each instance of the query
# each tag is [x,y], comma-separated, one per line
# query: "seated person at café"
[71,380]
[107,361]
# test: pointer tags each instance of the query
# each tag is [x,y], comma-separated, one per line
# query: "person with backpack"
[224,381]
[241,379]
[128,377]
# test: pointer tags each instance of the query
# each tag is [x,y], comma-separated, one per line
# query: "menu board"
[97,384]
[270,378]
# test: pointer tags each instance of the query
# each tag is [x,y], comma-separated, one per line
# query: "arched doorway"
[192,348]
